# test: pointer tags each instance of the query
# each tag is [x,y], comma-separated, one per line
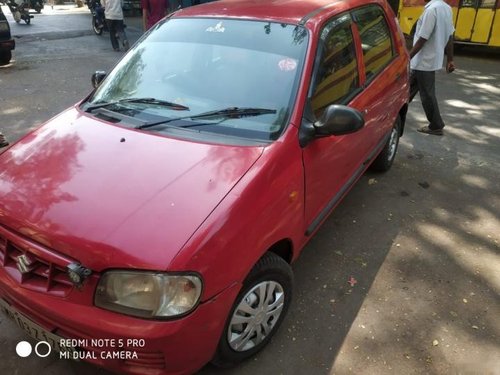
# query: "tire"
[384,160]
[5,57]
[270,274]
[95,27]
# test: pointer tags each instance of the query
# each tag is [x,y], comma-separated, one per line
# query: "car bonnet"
[111,197]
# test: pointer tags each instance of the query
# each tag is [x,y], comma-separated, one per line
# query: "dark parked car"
[7,44]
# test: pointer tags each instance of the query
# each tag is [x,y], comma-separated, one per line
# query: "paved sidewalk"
[60,22]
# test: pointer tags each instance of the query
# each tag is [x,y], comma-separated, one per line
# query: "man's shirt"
[436,26]
[113,9]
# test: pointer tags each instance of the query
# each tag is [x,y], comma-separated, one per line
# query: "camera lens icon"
[42,349]
[23,349]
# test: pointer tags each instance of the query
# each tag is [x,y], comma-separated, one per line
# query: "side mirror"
[98,77]
[339,120]
[336,120]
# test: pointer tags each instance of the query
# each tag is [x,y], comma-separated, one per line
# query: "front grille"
[32,271]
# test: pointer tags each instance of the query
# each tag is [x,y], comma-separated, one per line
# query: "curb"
[53,35]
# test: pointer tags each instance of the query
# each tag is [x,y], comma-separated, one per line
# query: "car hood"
[111,197]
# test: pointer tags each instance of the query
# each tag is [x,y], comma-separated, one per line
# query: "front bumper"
[168,347]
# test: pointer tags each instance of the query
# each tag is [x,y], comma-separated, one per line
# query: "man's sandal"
[427,130]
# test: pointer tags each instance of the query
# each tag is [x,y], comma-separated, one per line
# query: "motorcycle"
[98,19]
[20,10]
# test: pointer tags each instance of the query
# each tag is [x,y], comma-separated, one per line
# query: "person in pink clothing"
[152,12]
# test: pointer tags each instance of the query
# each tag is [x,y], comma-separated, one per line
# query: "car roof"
[285,11]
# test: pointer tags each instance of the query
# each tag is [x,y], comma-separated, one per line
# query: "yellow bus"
[476,21]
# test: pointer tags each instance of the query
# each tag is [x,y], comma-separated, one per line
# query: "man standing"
[433,34]
[114,18]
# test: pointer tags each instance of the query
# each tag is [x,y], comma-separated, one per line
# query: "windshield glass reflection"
[210,65]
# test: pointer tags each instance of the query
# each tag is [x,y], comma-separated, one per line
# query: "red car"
[150,228]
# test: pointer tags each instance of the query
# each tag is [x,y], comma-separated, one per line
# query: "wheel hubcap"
[255,316]
[393,144]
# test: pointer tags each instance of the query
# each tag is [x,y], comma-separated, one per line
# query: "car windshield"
[224,76]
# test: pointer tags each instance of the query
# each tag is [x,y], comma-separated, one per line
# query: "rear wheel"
[384,160]
[257,312]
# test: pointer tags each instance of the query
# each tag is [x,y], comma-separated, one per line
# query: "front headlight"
[148,294]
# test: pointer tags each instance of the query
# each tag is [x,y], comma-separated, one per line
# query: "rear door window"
[376,41]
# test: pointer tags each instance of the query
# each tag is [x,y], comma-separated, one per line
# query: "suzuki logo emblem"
[23,263]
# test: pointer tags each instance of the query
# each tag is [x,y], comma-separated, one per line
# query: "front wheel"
[257,312]
[96,26]
[384,160]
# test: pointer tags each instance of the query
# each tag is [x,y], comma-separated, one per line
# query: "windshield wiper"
[231,112]
[164,103]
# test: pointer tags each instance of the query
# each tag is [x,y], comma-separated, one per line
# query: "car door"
[330,162]
[383,74]
[356,66]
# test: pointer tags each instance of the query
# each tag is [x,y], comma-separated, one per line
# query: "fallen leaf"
[338,253]
[360,261]
[435,343]
[453,313]
[465,300]
[352,281]
[372,181]
[424,184]
[475,327]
